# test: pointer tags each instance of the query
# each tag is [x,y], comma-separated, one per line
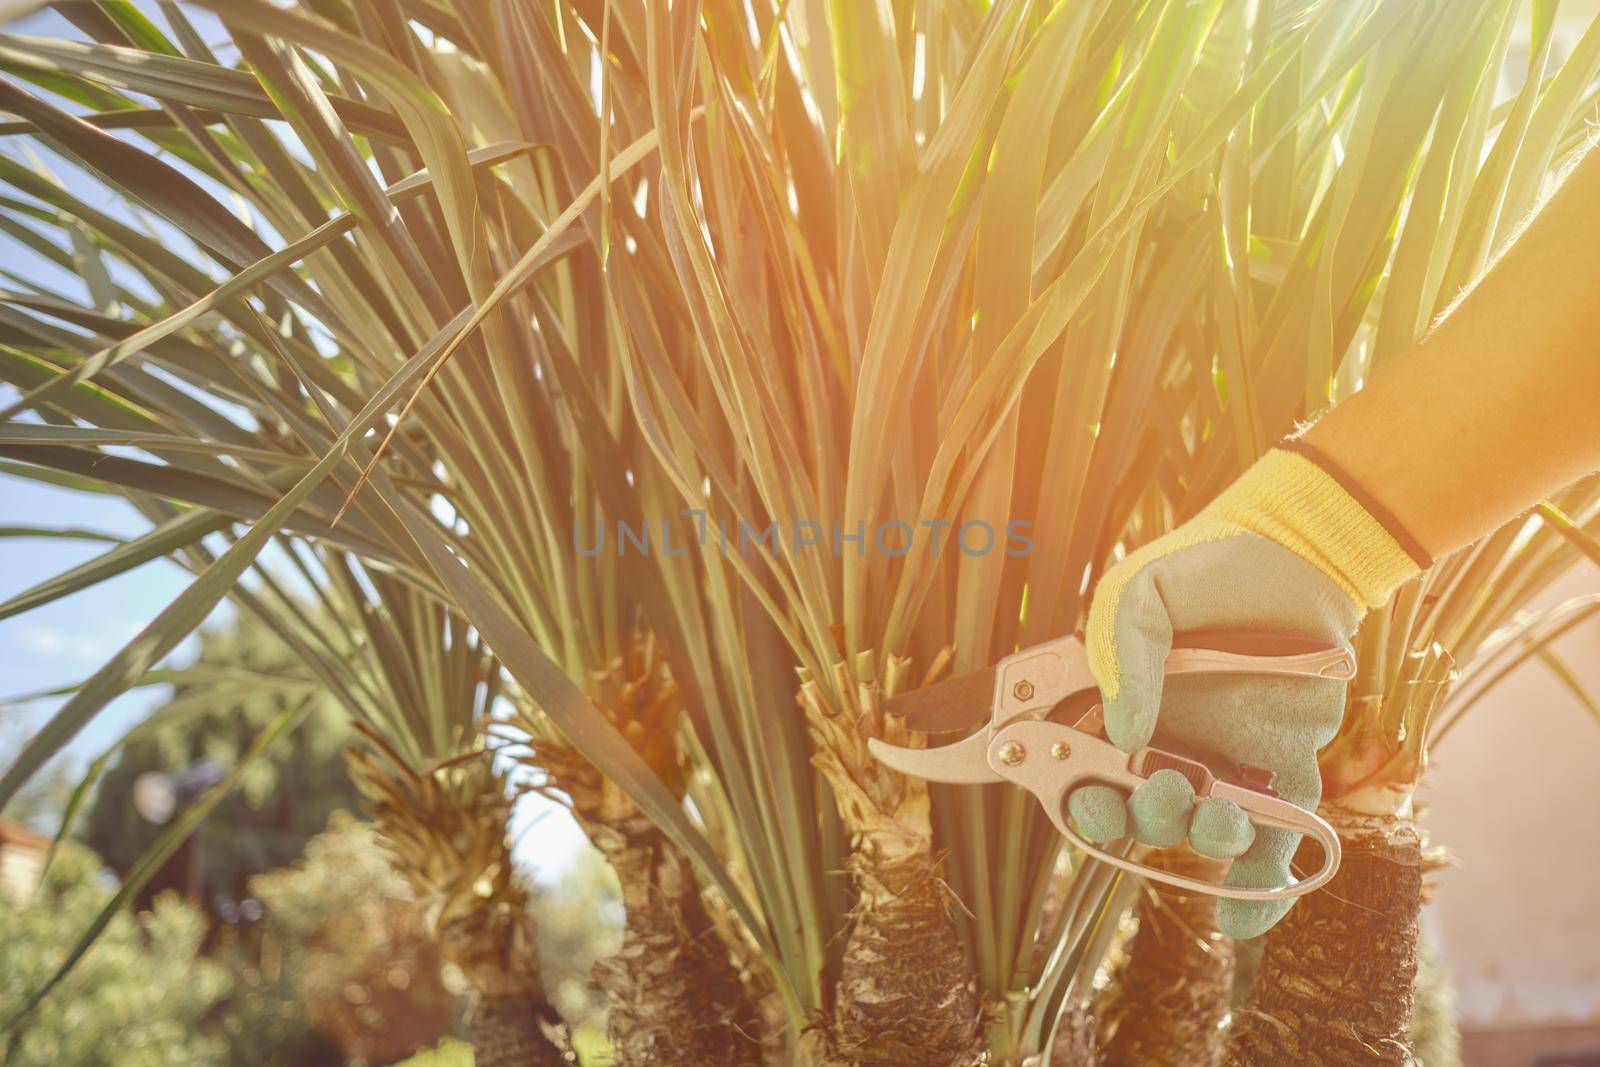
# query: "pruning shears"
[1044,732]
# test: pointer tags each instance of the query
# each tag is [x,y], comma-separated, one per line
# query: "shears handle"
[1050,760]
[1036,679]
[1304,822]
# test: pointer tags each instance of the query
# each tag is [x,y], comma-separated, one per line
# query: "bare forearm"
[1500,404]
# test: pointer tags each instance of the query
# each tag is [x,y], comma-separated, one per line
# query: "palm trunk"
[510,1030]
[1336,977]
[1167,1002]
[676,996]
[494,946]
[906,995]
[492,940]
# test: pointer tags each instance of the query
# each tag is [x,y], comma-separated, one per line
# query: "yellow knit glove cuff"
[1291,500]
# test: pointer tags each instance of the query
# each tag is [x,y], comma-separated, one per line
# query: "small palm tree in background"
[825,297]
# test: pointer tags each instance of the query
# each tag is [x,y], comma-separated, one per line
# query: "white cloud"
[75,646]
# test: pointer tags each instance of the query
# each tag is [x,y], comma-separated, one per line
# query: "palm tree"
[893,323]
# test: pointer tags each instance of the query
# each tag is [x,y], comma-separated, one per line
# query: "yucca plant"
[855,285]
[443,814]
[445,830]
[1449,174]
[1415,688]
[1426,661]
[1169,323]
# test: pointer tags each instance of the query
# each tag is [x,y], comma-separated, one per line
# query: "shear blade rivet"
[1060,750]
[1012,753]
[1024,690]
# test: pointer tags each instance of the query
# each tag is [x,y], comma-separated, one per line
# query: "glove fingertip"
[1160,809]
[1221,830]
[1264,866]
[1244,919]
[1129,725]
[1100,813]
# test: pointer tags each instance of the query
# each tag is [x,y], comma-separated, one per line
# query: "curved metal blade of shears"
[966,761]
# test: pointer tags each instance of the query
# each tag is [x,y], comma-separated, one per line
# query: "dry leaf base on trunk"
[677,999]
[1167,1001]
[905,994]
[1335,983]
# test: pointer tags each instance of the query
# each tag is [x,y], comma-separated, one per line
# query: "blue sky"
[64,642]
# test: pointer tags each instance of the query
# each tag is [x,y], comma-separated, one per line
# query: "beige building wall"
[21,859]
[1514,794]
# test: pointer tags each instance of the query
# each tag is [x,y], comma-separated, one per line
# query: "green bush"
[449,1053]
[342,968]
[136,1000]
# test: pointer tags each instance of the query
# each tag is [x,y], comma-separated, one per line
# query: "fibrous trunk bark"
[905,994]
[510,1029]
[677,998]
[1335,983]
[1166,1004]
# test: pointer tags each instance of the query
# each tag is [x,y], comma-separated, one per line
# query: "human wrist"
[1300,499]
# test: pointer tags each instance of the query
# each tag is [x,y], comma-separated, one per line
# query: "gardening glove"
[1293,547]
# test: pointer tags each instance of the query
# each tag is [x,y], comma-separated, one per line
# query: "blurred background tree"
[137,1000]
[284,798]
[342,969]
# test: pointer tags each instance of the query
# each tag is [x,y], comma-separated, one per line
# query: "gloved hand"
[1293,547]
